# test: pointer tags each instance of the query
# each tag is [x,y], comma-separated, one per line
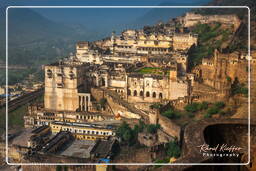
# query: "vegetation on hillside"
[210,37]
[150,70]
[240,12]
[129,135]
[172,149]
[238,88]
[214,109]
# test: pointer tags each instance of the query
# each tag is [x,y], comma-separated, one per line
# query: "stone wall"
[118,108]
[115,106]
[168,126]
[222,69]
[191,19]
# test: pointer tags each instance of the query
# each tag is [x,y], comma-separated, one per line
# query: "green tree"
[151,128]
[173,149]
[219,105]
[141,126]
[213,110]
[156,106]
[127,135]
[191,107]
[207,115]
[171,114]
[103,102]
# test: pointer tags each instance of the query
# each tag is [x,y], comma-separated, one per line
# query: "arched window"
[129,92]
[147,94]
[160,95]
[141,93]
[154,95]
[135,93]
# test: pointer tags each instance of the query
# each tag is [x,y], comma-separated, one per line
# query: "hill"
[241,36]
[35,40]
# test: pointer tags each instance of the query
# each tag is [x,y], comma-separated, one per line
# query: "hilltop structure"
[191,19]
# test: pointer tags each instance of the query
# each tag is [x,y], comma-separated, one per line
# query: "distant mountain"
[164,14]
[34,40]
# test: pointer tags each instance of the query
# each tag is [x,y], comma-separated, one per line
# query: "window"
[135,93]
[160,95]
[141,93]
[154,95]
[147,94]
[128,92]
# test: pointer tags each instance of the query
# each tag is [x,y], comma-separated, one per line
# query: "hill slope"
[35,40]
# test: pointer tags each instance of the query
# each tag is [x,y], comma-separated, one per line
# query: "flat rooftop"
[86,125]
[79,148]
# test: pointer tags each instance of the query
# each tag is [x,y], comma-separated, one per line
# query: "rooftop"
[88,125]
[79,148]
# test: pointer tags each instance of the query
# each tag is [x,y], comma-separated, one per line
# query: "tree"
[213,110]
[191,107]
[207,115]
[125,132]
[156,106]
[220,105]
[204,105]
[173,149]
[152,128]
[141,126]
[127,135]
[171,114]
[103,102]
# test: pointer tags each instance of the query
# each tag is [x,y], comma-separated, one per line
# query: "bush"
[126,133]
[173,149]
[213,110]
[191,107]
[141,126]
[152,129]
[207,115]
[171,114]
[103,102]
[219,105]
[166,160]
[191,115]
[222,113]
[238,88]
[195,107]
[204,105]
[156,106]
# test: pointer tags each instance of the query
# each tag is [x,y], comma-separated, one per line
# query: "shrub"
[173,149]
[170,114]
[219,105]
[195,107]
[222,113]
[213,110]
[228,78]
[202,106]
[191,115]
[103,102]
[191,107]
[207,115]
[152,128]
[156,106]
